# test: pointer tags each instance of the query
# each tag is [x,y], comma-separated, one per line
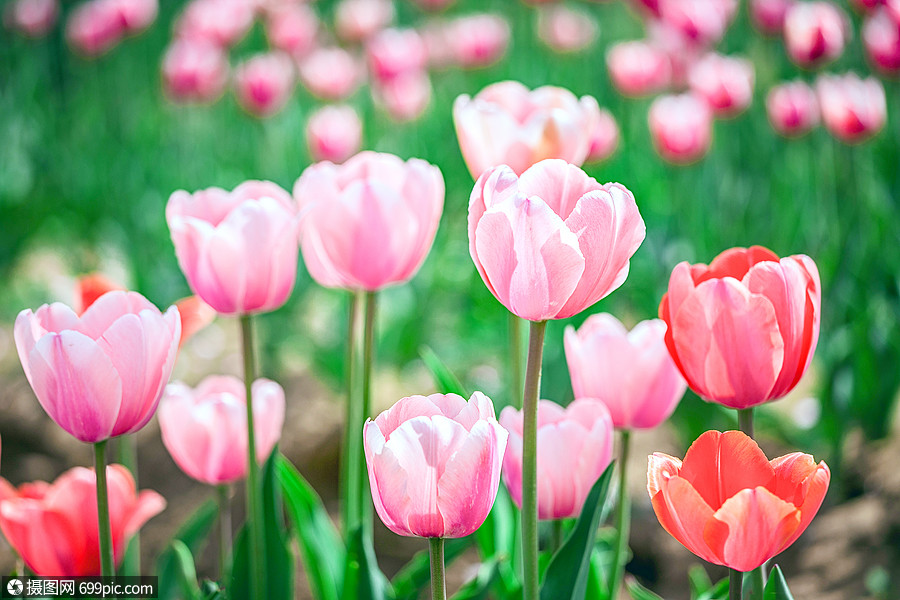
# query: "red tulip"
[53,527]
[333,133]
[681,127]
[725,82]
[793,109]
[743,330]
[263,83]
[195,315]
[815,33]
[853,109]
[89,288]
[731,506]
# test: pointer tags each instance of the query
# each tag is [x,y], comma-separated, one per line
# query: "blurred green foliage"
[91,151]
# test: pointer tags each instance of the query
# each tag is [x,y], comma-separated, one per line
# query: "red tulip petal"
[90,287]
[813,490]
[683,513]
[735,262]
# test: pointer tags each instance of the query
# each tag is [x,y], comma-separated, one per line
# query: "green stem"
[529,460]
[368,360]
[223,495]
[254,514]
[131,564]
[436,553]
[623,519]
[514,325]
[107,564]
[735,581]
[352,451]
[557,532]
[745,421]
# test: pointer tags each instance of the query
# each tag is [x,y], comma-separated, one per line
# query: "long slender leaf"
[444,379]
[777,587]
[567,575]
[639,592]
[699,581]
[193,535]
[717,592]
[187,573]
[478,588]
[320,545]
[363,580]
[415,575]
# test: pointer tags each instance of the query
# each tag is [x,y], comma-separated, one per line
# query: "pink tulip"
[334,133]
[93,28]
[205,428]
[793,109]
[394,52]
[433,4]
[434,464]
[99,375]
[220,22]
[134,15]
[681,127]
[731,506]
[331,73]
[507,124]
[552,242]
[881,35]
[815,33]
[768,15]
[564,29]
[358,20]
[631,373]
[605,138]
[194,71]
[404,97]
[853,109]
[292,28]
[867,6]
[638,68]
[477,40]
[54,527]
[238,249]
[370,222]
[34,18]
[574,447]
[725,82]
[702,21]
[263,83]
[743,330]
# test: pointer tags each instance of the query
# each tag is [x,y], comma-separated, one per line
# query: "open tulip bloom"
[729,505]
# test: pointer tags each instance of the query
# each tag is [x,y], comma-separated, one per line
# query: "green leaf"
[777,587]
[568,572]
[478,588]
[210,591]
[320,545]
[716,592]
[192,535]
[363,580]
[186,572]
[752,586]
[699,581]
[597,588]
[444,379]
[416,574]
[639,592]
[278,559]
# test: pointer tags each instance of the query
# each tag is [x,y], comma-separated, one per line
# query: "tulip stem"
[131,564]
[515,359]
[529,460]
[745,421]
[557,532]
[735,582]
[104,532]
[436,553]
[254,514]
[223,495]
[368,359]
[352,452]
[623,519]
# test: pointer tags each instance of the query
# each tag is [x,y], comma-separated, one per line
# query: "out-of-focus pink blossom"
[331,73]
[292,28]
[867,6]
[334,133]
[881,35]
[94,27]
[792,108]
[564,29]
[433,4]
[681,127]
[815,33]
[853,109]
[768,15]
[703,21]
[358,20]
[222,22]
[404,97]
[725,82]
[194,71]
[638,68]
[605,138]
[393,52]
[135,15]
[477,40]
[263,83]
[34,18]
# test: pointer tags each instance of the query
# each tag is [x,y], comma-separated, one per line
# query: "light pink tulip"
[93,28]
[34,18]
[792,108]
[53,527]
[331,73]
[853,109]
[433,4]
[553,241]
[630,372]
[370,222]
[238,249]
[574,447]
[404,97]
[564,29]
[725,82]
[507,124]
[221,22]
[263,83]
[768,15]
[815,33]
[395,52]
[99,375]
[205,428]
[702,21]
[434,464]
[194,71]
[292,28]
[605,138]
[358,20]
[881,35]
[477,40]
[334,133]
[681,127]
[638,68]
[134,15]
[743,330]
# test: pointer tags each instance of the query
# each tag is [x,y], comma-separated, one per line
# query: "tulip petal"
[803,483]
[685,515]
[558,183]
